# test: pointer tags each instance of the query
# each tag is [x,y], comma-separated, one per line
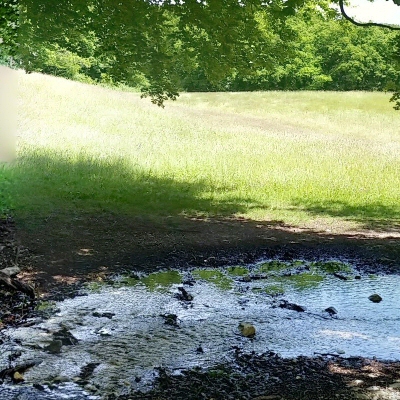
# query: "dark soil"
[268,377]
[90,247]
[15,307]
[57,258]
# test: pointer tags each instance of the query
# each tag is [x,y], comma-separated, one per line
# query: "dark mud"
[269,377]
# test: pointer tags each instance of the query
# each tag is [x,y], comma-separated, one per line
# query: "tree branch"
[342,10]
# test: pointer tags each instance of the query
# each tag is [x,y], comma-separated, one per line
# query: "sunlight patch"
[85,252]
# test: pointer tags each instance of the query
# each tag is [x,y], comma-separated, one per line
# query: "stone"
[199,350]
[54,347]
[375,298]
[103,332]
[331,310]
[246,329]
[90,388]
[355,383]
[373,388]
[11,271]
[184,295]
[66,337]
[87,371]
[291,306]
[61,379]
[170,319]
[108,315]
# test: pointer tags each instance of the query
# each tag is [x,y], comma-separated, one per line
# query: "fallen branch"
[17,256]
[14,284]
[365,24]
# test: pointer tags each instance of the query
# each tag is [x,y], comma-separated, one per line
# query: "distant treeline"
[323,54]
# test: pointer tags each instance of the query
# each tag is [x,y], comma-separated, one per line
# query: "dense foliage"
[167,46]
[9,18]
[326,54]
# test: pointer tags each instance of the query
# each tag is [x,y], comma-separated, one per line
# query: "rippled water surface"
[130,344]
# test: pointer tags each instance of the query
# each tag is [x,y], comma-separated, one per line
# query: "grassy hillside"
[311,159]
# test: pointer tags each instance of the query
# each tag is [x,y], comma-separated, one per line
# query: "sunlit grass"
[306,158]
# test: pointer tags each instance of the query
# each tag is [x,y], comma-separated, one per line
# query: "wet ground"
[137,330]
[110,257]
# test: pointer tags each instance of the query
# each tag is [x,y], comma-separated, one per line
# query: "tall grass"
[311,159]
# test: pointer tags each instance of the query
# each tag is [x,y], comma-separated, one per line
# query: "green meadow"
[319,160]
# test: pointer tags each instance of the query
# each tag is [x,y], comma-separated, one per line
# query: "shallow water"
[136,339]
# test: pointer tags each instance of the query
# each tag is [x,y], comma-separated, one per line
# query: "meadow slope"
[104,179]
[318,160]
[105,182]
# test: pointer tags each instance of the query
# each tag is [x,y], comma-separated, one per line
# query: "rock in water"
[66,337]
[54,347]
[291,306]
[375,298]
[108,315]
[170,319]
[246,329]
[331,310]
[199,350]
[184,295]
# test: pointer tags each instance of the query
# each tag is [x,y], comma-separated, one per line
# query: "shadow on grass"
[50,184]
[372,216]
[81,216]
[46,185]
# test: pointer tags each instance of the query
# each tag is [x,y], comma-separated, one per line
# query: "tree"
[9,16]
[155,41]
[396,95]
[149,37]
[324,52]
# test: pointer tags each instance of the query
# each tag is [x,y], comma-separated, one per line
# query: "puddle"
[122,327]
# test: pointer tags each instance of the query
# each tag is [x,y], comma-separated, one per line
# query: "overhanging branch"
[342,10]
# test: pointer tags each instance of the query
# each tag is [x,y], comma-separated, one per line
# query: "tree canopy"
[154,43]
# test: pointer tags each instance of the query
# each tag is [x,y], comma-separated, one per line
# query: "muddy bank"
[59,263]
[269,377]
[91,247]
[252,377]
